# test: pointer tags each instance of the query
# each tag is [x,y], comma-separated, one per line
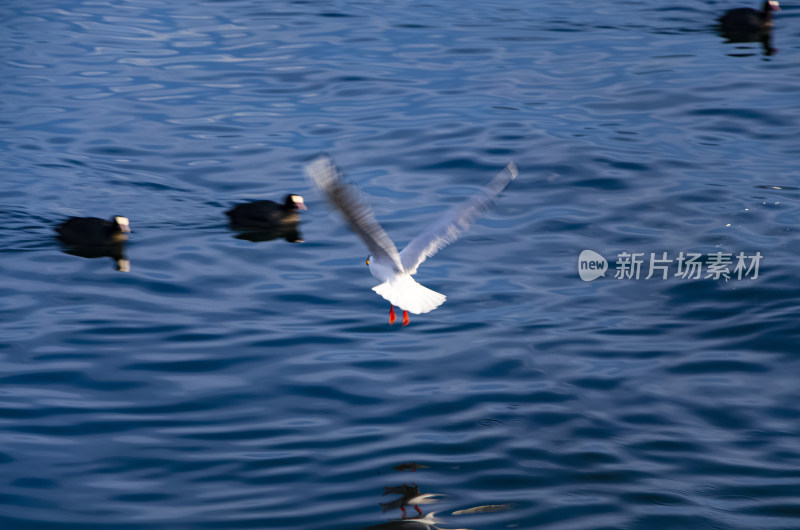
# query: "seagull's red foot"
[392,316]
[405,317]
[418,510]
[403,509]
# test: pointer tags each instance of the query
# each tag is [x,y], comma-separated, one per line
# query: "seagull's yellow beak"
[367,262]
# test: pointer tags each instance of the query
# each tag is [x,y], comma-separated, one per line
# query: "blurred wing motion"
[394,269]
[347,199]
[448,227]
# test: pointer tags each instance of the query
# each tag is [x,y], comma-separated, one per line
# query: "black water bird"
[92,237]
[266,220]
[749,25]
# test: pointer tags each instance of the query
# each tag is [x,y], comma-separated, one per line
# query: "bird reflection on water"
[409,466]
[115,252]
[290,234]
[765,38]
[409,496]
[428,522]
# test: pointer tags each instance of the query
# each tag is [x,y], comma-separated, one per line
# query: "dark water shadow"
[742,35]
[290,233]
[114,251]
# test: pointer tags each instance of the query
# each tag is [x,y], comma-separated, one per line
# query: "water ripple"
[223,383]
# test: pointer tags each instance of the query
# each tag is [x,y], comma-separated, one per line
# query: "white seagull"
[392,268]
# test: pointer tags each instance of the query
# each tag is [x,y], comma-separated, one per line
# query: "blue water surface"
[226,384]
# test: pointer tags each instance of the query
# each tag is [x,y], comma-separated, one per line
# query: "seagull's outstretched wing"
[448,227]
[358,214]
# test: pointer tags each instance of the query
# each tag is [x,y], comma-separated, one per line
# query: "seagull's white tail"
[408,295]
